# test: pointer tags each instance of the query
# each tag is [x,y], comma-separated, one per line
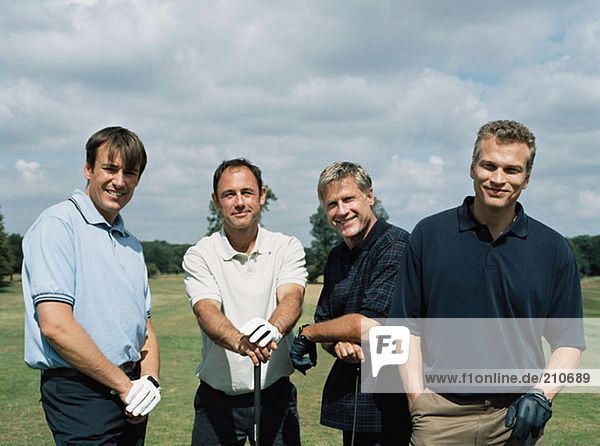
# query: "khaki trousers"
[449,420]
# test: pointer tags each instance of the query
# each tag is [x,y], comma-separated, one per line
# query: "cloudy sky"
[399,86]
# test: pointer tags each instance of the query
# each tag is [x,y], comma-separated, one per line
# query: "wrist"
[541,393]
[305,332]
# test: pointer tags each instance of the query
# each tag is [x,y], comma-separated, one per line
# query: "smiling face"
[499,176]
[349,210]
[110,185]
[239,199]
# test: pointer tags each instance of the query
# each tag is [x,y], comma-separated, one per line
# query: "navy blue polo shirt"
[453,268]
[361,280]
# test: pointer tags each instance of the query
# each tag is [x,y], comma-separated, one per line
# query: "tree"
[16,253]
[325,238]
[587,254]
[215,219]
[5,254]
[163,257]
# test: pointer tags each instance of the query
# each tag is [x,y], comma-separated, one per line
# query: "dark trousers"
[81,411]
[223,419]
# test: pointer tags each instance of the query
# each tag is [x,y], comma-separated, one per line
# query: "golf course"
[575,421]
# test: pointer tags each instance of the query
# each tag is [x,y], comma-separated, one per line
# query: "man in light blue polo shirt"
[87,304]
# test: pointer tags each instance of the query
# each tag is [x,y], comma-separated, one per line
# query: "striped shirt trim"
[64,298]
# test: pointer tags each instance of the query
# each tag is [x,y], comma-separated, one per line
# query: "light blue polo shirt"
[72,255]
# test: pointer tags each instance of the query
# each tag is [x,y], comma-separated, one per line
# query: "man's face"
[349,210]
[238,198]
[499,175]
[110,185]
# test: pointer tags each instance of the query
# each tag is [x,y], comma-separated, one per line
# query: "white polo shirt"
[246,287]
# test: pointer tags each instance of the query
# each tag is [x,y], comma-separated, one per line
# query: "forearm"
[75,346]
[289,307]
[561,358]
[216,326]
[150,363]
[411,373]
[350,327]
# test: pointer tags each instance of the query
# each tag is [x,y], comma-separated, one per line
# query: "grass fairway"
[575,421]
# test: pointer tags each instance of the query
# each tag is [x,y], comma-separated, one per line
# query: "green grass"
[575,420]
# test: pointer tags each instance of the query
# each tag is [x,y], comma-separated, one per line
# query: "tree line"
[165,258]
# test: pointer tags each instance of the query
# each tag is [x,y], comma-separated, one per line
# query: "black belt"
[495,399]
[128,368]
[281,386]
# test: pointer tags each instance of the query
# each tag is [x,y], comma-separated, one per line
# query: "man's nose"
[342,208]
[498,176]
[239,200]
[118,178]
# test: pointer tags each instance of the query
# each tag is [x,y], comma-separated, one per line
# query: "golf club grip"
[257,404]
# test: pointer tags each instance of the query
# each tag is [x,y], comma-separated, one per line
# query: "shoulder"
[275,240]
[547,239]
[396,234]
[57,216]
[446,218]
[205,246]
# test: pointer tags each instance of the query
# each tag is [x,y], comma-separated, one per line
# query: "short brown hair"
[120,140]
[506,132]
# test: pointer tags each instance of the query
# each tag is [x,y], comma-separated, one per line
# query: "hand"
[349,352]
[143,396]
[298,351]
[528,414]
[255,353]
[261,332]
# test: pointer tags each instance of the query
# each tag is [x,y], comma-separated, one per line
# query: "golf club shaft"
[257,404]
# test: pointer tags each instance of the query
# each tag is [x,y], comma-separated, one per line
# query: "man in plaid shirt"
[360,280]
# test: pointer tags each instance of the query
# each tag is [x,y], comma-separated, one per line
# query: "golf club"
[257,394]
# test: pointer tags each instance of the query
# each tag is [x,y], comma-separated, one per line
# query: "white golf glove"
[261,332]
[143,396]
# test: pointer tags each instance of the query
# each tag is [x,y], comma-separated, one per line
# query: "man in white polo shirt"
[242,282]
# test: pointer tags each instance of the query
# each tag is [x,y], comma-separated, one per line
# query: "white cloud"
[400,87]
[589,203]
[30,171]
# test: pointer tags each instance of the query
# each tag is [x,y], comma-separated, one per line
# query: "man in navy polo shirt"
[488,259]
[87,304]
[360,280]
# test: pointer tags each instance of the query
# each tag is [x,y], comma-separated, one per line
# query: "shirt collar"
[228,252]
[90,214]
[467,221]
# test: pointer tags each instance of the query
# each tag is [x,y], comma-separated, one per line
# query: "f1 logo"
[388,345]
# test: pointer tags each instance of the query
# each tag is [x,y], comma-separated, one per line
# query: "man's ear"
[215,201]
[88,170]
[370,197]
[263,195]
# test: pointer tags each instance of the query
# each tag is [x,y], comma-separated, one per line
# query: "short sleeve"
[383,279]
[322,312]
[199,281]
[564,325]
[49,261]
[407,301]
[293,269]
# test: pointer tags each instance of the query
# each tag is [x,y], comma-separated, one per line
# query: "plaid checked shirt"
[362,280]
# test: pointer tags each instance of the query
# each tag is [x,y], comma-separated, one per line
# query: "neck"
[242,240]
[497,220]
[353,242]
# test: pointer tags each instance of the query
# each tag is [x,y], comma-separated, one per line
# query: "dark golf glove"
[529,414]
[301,347]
